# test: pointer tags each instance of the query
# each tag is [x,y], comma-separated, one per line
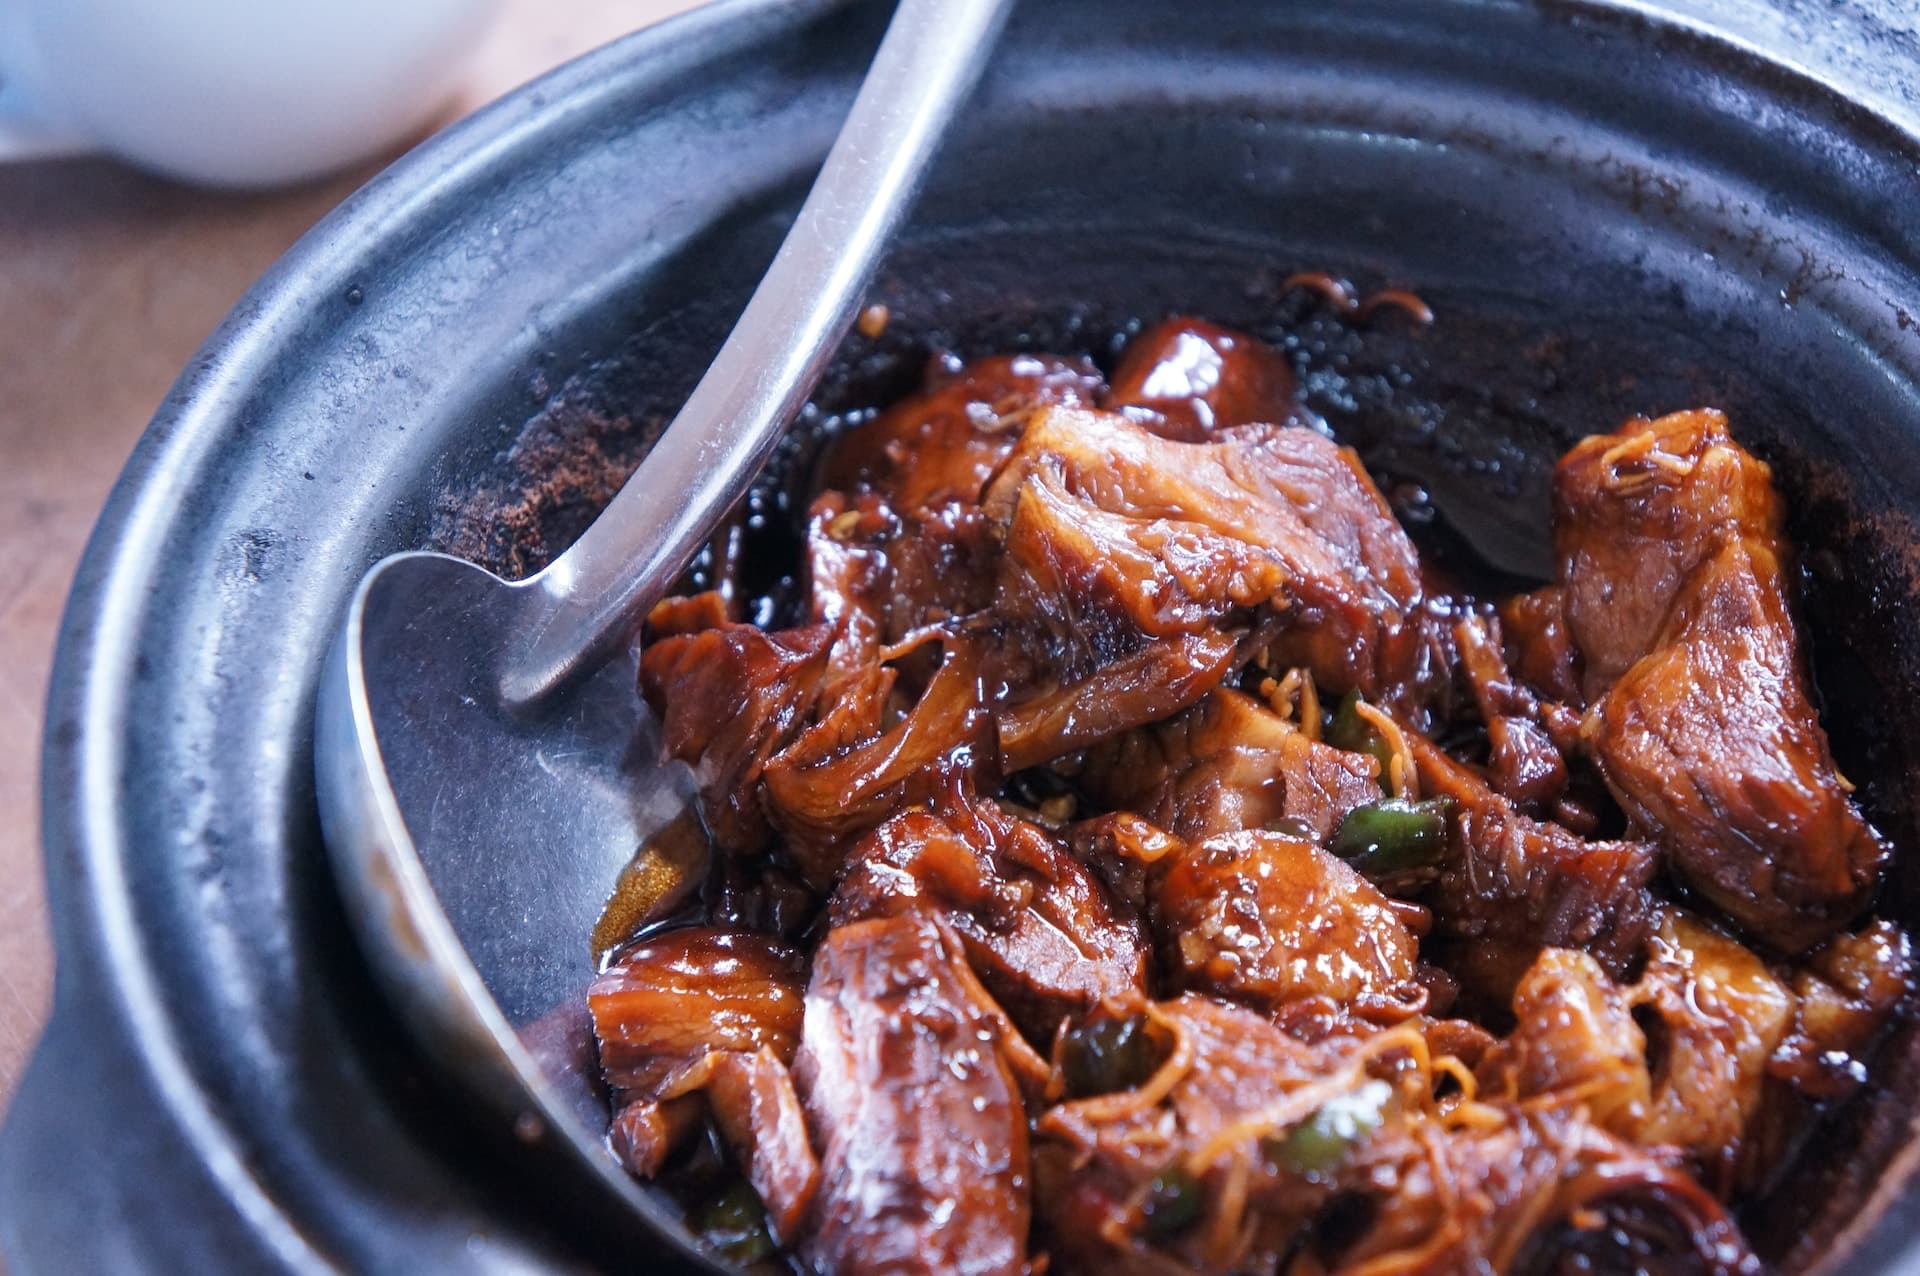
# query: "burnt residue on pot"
[563,469]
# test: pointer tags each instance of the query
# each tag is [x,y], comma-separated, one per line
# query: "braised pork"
[1083,878]
[1703,722]
[920,1126]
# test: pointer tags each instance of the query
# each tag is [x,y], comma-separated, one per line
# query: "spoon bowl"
[477,851]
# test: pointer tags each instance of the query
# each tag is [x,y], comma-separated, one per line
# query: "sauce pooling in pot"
[1138,858]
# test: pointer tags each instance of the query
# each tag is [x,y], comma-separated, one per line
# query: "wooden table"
[109,281]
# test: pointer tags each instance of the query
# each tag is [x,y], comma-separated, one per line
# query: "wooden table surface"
[109,281]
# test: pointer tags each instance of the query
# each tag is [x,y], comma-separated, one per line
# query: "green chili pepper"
[1392,835]
[734,1224]
[1107,1055]
[1348,730]
[1319,1143]
[1173,1203]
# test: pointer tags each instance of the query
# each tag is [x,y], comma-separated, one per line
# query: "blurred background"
[110,279]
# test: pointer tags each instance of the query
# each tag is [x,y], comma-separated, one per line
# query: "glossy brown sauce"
[1189,858]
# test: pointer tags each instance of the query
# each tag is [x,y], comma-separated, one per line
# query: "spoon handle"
[589,598]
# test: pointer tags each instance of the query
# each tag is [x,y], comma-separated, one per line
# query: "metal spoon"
[480,779]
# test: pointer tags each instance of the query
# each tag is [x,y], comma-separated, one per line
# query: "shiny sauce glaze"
[1133,854]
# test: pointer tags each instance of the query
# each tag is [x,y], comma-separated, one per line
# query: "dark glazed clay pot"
[1610,211]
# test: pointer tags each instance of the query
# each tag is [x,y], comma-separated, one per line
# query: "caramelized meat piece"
[1100,577]
[845,774]
[729,697]
[1522,760]
[922,1135]
[1036,926]
[943,563]
[876,575]
[1494,1196]
[1635,512]
[1228,764]
[1233,1153]
[1574,1036]
[1696,1078]
[1113,532]
[719,1013]
[1524,764]
[1846,994]
[1670,541]
[669,1002]
[1845,998]
[1173,1168]
[1722,1015]
[1712,742]
[1143,686]
[689,614]
[848,574]
[945,442]
[1265,919]
[646,1133]
[1185,378]
[1121,849]
[759,1114]
[1124,551]
[1513,885]
[798,725]
[1540,645]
